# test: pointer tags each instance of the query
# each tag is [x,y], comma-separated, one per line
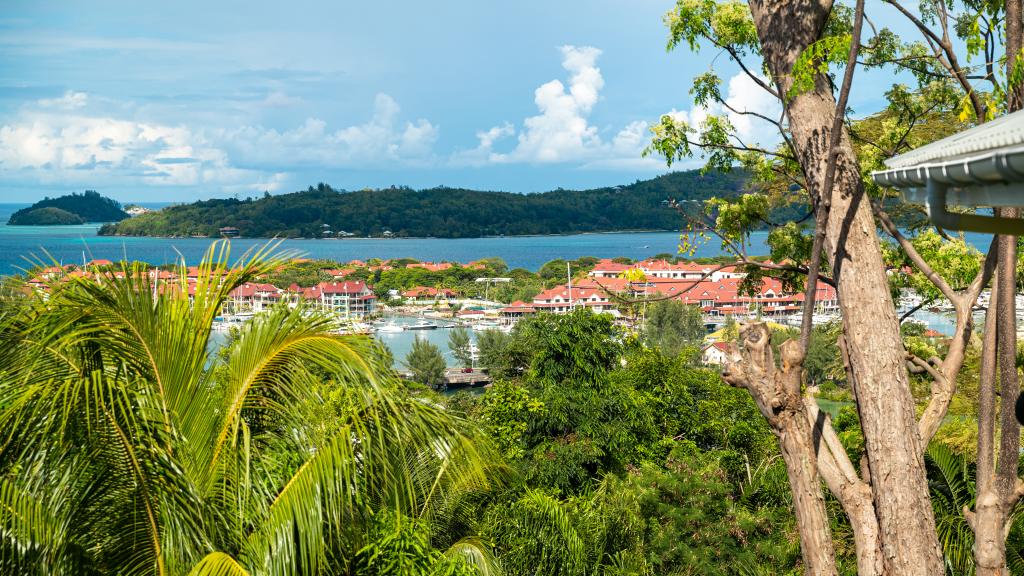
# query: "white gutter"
[992,179]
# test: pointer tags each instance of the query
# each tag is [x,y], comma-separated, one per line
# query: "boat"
[422,325]
[485,325]
[389,328]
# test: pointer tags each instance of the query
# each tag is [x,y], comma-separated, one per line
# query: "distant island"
[323,212]
[71,209]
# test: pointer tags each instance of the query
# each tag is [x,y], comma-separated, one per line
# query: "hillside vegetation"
[441,212]
[71,209]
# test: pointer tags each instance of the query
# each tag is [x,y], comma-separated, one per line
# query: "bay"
[20,246]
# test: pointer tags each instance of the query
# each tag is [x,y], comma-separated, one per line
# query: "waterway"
[22,246]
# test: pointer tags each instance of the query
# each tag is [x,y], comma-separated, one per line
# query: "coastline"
[588,233]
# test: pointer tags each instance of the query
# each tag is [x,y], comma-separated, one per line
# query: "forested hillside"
[441,212]
[71,209]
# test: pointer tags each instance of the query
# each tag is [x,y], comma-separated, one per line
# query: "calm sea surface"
[70,244]
[22,245]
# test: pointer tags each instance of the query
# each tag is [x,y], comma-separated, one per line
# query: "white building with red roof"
[717,353]
[253,297]
[349,298]
[561,299]
[428,293]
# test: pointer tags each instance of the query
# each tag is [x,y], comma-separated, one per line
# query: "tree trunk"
[997,481]
[777,395]
[987,518]
[886,407]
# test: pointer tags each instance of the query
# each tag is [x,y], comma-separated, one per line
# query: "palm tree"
[127,447]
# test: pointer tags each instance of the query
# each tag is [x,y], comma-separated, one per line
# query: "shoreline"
[589,233]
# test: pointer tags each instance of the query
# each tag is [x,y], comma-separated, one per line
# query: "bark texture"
[906,524]
[997,481]
[777,394]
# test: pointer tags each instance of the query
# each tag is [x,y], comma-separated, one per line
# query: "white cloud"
[744,95]
[561,131]
[380,140]
[484,152]
[278,99]
[69,101]
[61,141]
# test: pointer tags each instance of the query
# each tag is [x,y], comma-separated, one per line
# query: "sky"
[184,100]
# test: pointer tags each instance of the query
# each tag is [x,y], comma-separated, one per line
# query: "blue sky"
[184,100]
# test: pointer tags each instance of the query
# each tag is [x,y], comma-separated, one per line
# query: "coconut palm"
[128,447]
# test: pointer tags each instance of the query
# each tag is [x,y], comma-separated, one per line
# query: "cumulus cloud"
[561,132]
[744,95]
[484,152]
[381,140]
[60,140]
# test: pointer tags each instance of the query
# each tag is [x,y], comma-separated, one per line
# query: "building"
[426,293]
[562,299]
[253,297]
[516,311]
[349,298]
[717,353]
[607,268]
[430,266]
[229,232]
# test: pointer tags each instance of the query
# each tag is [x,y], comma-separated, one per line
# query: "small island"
[442,212]
[89,206]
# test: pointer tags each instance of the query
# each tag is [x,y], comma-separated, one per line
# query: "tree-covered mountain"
[440,212]
[71,209]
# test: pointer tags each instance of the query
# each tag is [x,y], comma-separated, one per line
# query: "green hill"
[439,212]
[70,209]
[48,216]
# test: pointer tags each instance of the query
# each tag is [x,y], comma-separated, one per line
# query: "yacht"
[390,328]
[422,325]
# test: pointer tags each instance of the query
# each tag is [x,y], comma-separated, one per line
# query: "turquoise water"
[20,245]
[71,244]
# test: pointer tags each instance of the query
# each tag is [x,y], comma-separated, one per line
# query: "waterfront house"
[349,298]
[253,297]
[562,299]
[515,312]
[429,294]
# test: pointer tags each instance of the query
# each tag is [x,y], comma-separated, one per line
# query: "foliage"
[440,212]
[129,449]
[426,363]
[672,326]
[459,343]
[71,209]
[49,216]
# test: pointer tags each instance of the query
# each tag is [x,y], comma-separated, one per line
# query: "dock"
[456,378]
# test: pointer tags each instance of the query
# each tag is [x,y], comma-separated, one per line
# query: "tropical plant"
[426,363]
[673,325]
[126,447]
[460,345]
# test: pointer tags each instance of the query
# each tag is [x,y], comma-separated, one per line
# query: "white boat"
[389,328]
[485,325]
[422,325]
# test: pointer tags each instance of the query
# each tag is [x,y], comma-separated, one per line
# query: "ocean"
[20,246]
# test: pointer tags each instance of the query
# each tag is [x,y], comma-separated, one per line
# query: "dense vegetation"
[71,209]
[443,212]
